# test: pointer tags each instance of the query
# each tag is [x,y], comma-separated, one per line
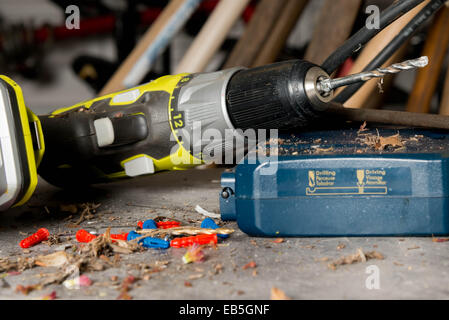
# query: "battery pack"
[382,182]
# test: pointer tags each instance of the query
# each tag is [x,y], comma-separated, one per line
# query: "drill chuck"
[278,96]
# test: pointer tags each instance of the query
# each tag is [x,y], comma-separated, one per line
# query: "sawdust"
[358,257]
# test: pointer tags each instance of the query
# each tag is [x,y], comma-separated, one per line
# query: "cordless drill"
[143,130]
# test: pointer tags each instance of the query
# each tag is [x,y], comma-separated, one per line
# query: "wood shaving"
[439,239]
[362,127]
[278,294]
[324,259]
[218,268]
[207,213]
[196,276]
[358,257]
[87,213]
[56,259]
[250,264]
[178,231]
[52,240]
[21,264]
[27,289]
[126,287]
[381,143]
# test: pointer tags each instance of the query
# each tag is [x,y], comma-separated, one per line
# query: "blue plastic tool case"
[341,183]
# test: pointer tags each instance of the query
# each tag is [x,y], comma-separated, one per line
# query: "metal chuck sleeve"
[275,96]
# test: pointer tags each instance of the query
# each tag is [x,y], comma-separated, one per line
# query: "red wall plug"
[41,235]
[188,241]
[168,224]
[85,236]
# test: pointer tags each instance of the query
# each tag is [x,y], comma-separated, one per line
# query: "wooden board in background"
[281,31]
[116,83]
[256,33]
[211,36]
[437,42]
[333,27]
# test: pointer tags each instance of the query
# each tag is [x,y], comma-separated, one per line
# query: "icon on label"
[361,180]
[312,179]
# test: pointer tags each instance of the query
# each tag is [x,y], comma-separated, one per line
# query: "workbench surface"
[412,268]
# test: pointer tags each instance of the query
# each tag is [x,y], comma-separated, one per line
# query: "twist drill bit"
[326,86]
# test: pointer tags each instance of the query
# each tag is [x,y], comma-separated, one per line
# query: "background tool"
[344,183]
[367,96]
[148,129]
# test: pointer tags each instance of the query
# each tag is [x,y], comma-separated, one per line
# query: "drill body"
[151,128]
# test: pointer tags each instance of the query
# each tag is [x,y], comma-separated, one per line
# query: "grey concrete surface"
[413,268]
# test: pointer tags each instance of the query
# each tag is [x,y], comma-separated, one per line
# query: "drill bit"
[326,86]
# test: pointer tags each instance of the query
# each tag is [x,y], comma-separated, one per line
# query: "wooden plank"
[211,36]
[333,27]
[256,33]
[276,40]
[427,78]
[163,22]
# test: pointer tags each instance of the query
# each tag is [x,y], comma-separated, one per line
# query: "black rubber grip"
[270,97]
